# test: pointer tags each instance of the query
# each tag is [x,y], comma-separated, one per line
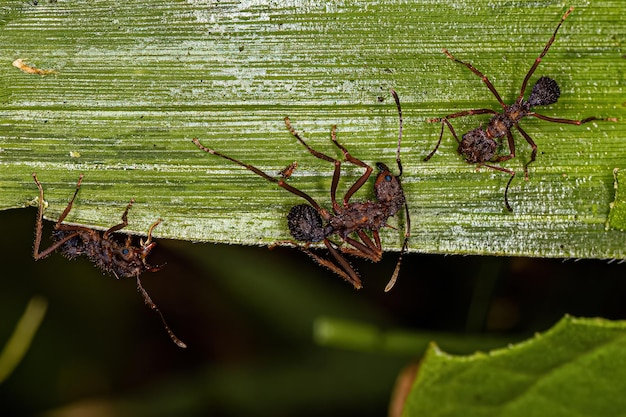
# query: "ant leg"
[147,246]
[152,226]
[506,190]
[69,205]
[533,145]
[569,121]
[540,57]
[345,271]
[444,121]
[153,306]
[552,120]
[248,167]
[511,143]
[480,74]
[288,170]
[367,249]
[375,245]
[313,152]
[461,114]
[121,225]
[362,180]
[317,154]
[39,224]
[506,193]
[324,213]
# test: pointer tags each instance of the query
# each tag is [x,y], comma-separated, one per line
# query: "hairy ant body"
[310,223]
[101,248]
[479,146]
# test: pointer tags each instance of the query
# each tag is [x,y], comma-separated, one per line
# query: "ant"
[310,223]
[479,145]
[121,260]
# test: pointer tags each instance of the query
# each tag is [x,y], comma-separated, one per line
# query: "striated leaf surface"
[136,81]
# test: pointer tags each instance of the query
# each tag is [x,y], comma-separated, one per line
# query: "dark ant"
[121,260]
[310,223]
[479,146]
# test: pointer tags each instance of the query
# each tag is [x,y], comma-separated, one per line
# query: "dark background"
[247,315]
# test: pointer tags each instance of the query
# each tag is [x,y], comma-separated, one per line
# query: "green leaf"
[617,215]
[574,369]
[135,83]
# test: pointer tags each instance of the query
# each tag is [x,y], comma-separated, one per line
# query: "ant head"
[305,223]
[545,91]
[477,146]
[387,188]
[130,261]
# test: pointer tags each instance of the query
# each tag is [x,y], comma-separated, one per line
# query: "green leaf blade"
[135,84]
[575,368]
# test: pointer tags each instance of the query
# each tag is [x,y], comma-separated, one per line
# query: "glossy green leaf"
[574,369]
[135,82]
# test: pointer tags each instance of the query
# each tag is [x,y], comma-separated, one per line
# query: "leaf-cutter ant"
[479,146]
[351,222]
[101,248]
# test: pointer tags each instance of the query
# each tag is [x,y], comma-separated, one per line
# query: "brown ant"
[479,146]
[121,260]
[310,223]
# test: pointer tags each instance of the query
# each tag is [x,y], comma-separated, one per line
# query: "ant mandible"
[121,260]
[310,223]
[479,145]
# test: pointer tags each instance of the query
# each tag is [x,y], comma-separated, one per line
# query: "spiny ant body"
[123,260]
[479,146]
[357,224]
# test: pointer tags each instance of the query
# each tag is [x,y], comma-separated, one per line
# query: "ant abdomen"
[305,223]
[545,92]
[72,248]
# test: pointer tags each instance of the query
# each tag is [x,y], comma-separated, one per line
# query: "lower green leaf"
[576,368]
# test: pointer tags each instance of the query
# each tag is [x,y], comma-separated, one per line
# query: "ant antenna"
[407,220]
[397,99]
[153,306]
